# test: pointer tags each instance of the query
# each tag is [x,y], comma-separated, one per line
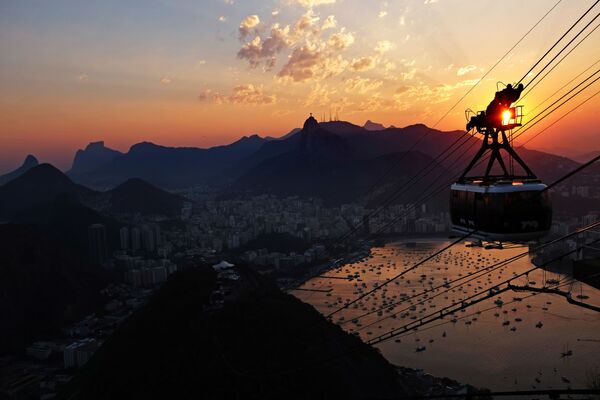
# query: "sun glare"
[506,116]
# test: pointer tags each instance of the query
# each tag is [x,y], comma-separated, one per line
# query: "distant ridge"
[171,167]
[94,156]
[29,162]
[373,126]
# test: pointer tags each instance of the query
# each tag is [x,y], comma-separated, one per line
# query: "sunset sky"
[202,73]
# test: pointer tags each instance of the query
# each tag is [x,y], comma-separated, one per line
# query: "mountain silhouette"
[373,126]
[317,162]
[289,134]
[40,185]
[172,167]
[29,162]
[299,159]
[138,196]
[93,157]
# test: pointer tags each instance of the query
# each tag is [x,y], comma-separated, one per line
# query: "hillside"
[29,162]
[38,186]
[44,285]
[137,196]
[262,344]
[319,163]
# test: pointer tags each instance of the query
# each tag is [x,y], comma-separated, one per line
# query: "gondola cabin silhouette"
[504,207]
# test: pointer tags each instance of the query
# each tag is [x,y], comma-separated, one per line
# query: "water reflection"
[512,341]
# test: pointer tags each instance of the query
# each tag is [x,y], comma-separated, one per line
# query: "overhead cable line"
[385,174]
[558,41]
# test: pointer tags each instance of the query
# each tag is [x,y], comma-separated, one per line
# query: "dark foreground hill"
[44,285]
[261,344]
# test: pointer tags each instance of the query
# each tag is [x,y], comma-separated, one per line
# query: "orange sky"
[182,73]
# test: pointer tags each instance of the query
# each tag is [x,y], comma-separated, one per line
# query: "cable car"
[504,207]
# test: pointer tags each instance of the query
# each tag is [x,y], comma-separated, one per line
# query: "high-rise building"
[148,238]
[136,239]
[97,242]
[124,235]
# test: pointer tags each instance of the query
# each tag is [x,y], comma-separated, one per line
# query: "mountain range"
[337,161]
[45,185]
[167,167]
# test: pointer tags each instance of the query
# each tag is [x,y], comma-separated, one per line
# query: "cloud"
[306,25]
[313,3]
[165,80]
[341,40]
[406,76]
[361,85]
[383,46]
[319,95]
[433,94]
[247,94]
[329,22]
[382,14]
[312,62]
[257,50]
[377,103]
[312,55]
[83,77]
[247,25]
[465,70]
[363,64]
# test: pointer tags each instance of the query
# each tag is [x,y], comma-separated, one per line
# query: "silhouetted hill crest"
[40,185]
[29,162]
[94,156]
[138,196]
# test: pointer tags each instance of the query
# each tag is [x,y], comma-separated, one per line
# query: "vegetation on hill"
[262,344]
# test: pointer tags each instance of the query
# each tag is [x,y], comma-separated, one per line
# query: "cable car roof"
[498,187]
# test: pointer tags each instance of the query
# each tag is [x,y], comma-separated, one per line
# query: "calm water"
[481,347]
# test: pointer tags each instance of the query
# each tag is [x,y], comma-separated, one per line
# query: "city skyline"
[175,72]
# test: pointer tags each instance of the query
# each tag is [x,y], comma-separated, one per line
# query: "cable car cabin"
[506,207]
[505,210]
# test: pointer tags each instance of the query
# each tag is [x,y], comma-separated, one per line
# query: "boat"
[567,353]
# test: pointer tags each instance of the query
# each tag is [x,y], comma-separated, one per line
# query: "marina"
[526,335]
